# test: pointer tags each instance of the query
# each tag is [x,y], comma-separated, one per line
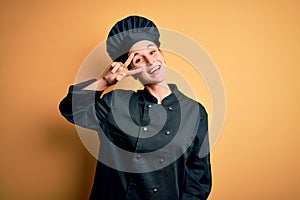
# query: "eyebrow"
[149,45]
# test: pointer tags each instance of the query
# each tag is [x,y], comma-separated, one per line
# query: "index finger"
[129,59]
[134,71]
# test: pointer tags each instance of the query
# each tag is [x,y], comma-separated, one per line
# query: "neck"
[159,91]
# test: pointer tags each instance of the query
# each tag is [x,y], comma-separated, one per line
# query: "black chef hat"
[126,33]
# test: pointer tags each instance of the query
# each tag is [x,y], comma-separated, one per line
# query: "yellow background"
[255,45]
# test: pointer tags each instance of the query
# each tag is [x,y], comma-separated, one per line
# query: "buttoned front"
[164,161]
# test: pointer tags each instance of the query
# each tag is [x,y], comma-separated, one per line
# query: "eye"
[138,60]
[153,52]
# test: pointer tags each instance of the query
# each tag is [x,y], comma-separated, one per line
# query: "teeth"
[154,69]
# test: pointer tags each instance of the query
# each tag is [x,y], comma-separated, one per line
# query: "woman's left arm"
[198,180]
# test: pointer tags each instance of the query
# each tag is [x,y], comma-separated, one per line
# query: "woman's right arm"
[83,106]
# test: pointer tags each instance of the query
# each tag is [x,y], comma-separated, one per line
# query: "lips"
[154,69]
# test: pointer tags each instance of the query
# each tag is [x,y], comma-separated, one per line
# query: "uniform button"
[132,184]
[145,129]
[167,132]
[138,156]
[149,106]
[170,108]
[161,160]
[155,190]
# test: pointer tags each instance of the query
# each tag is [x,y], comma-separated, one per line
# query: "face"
[148,57]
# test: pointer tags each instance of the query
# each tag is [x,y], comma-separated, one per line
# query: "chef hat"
[126,33]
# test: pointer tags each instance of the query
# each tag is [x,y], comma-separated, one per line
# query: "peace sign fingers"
[129,59]
[134,71]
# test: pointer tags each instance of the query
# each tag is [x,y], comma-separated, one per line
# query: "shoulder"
[118,94]
[187,101]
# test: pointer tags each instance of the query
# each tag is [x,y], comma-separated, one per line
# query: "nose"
[149,60]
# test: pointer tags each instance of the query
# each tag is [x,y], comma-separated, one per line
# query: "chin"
[154,82]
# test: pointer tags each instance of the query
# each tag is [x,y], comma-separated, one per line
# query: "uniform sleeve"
[198,180]
[84,108]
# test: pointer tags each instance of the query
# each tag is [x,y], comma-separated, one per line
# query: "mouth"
[154,69]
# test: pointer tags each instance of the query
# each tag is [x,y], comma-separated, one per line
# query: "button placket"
[132,183]
[161,161]
[138,156]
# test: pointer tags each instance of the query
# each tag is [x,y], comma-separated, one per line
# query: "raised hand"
[114,73]
[118,71]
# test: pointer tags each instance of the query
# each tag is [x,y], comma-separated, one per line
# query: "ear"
[162,53]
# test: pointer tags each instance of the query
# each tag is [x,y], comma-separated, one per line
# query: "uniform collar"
[173,97]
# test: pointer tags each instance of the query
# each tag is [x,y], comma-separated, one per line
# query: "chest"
[148,136]
[143,127]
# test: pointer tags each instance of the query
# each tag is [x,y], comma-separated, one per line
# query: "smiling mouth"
[154,69]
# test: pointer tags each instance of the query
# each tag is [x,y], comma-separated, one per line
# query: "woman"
[152,139]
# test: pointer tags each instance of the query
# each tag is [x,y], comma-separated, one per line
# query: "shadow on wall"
[76,164]
[44,158]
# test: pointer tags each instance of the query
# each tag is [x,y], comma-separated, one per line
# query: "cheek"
[143,77]
[161,58]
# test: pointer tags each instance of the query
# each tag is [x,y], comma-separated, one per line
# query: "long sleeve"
[198,178]
[84,107]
